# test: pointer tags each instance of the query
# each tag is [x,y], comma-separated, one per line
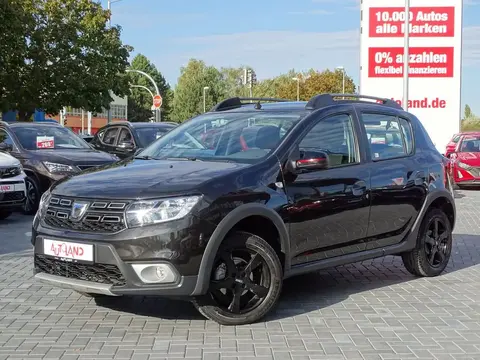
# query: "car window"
[125,136]
[48,137]
[456,138]
[110,136]
[5,138]
[244,137]
[148,135]
[470,144]
[387,137]
[100,134]
[336,137]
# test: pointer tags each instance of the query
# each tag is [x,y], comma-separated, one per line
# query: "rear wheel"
[434,246]
[246,281]
[4,214]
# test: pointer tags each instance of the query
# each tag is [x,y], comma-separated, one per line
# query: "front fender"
[225,225]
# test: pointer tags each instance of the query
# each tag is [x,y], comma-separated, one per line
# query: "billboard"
[434,59]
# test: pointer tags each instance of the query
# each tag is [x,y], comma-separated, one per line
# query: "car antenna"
[258,106]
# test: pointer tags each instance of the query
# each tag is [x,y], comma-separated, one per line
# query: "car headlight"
[42,206]
[149,212]
[55,168]
[463,166]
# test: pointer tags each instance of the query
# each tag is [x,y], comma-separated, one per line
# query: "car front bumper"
[112,271]
[15,196]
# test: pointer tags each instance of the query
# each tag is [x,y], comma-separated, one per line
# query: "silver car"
[12,185]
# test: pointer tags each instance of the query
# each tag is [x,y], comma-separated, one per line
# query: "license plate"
[7,188]
[68,250]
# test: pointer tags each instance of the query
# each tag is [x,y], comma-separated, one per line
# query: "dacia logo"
[79,209]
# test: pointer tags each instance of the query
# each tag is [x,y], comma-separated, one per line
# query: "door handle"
[359,188]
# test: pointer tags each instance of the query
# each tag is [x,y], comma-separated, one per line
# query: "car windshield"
[38,137]
[147,135]
[237,136]
[470,145]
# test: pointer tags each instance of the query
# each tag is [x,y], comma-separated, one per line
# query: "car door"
[329,209]
[398,177]
[125,145]
[108,142]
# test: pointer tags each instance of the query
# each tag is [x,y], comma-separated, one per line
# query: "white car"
[12,185]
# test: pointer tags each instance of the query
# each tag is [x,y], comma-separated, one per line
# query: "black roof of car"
[315,103]
[20,124]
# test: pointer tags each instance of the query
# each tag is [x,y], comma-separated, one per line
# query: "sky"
[272,36]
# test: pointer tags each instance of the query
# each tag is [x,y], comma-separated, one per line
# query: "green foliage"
[140,100]
[58,53]
[188,100]
[468,112]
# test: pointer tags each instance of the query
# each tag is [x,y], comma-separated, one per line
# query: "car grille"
[99,273]
[12,196]
[9,172]
[101,216]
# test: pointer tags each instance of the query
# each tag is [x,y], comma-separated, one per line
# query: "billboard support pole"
[406,55]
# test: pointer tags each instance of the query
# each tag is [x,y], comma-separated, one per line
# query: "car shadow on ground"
[307,293]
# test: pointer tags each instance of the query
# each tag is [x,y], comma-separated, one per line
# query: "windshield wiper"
[184,158]
[144,157]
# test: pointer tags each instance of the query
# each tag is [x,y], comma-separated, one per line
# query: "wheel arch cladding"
[247,218]
[445,204]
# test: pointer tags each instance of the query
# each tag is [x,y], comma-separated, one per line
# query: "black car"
[125,138]
[279,189]
[48,152]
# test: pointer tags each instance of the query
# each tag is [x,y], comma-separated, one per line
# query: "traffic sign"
[157,101]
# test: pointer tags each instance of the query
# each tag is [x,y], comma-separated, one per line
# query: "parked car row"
[48,152]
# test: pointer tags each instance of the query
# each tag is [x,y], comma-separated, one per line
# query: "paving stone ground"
[370,310]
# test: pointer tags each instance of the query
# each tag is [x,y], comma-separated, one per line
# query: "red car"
[465,161]
[452,144]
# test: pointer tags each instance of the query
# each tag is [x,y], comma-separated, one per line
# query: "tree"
[468,112]
[69,57]
[232,82]
[313,83]
[140,100]
[188,100]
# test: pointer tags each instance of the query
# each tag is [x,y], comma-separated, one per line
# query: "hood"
[469,158]
[74,157]
[8,160]
[135,179]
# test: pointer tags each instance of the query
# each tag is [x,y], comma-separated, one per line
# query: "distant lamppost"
[342,69]
[297,79]
[205,88]
[109,7]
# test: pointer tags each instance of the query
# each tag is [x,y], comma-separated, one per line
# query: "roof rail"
[322,100]
[236,102]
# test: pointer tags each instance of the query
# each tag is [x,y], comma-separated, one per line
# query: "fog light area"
[155,273]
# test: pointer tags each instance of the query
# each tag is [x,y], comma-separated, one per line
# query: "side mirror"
[318,162]
[6,147]
[126,145]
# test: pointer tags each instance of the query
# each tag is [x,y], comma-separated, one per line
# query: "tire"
[419,261]
[250,267]
[33,196]
[4,214]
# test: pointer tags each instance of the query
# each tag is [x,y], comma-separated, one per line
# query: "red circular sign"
[157,101]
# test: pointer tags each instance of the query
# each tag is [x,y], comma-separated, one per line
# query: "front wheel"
[33,196]
[4,214]
[246,281]
[434,246]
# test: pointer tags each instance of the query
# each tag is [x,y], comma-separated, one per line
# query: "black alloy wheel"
[33,196]
[434,246]
[246,281]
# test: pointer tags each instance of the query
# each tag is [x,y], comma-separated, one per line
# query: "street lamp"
[144,88]
[109,7]
[205,88]
[297,79]
[157,114]
[342,69]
